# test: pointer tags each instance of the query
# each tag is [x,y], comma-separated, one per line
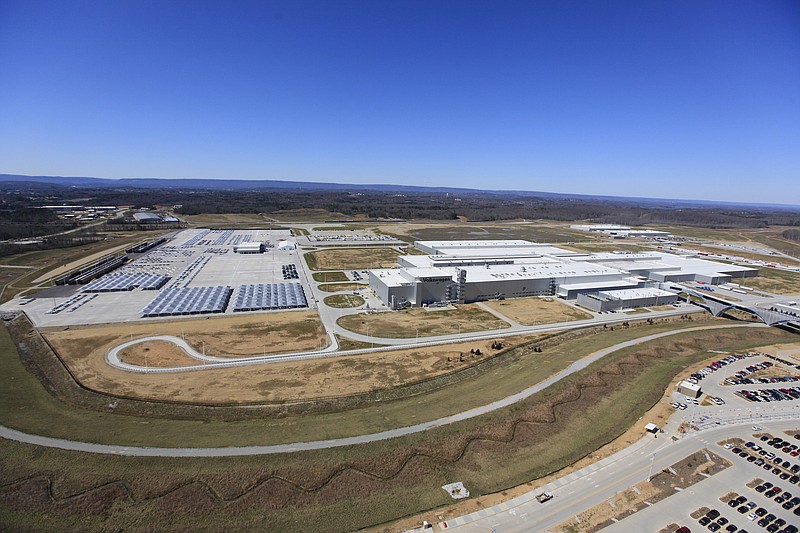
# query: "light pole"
[650,472]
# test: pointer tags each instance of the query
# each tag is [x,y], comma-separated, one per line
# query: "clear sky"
[681,99]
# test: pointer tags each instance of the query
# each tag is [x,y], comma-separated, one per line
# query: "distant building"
[146,218]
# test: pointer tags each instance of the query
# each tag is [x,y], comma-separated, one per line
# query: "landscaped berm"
[423,322]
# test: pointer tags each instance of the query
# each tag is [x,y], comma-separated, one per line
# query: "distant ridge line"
[244,185]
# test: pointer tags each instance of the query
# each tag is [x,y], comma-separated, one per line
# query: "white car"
[756,428]
[752,516]
[728,446]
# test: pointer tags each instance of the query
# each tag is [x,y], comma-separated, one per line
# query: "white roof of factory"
[476,244]
[391,277]
[633,294]
[534,271]
[429,272]
[504,251]
[629,282]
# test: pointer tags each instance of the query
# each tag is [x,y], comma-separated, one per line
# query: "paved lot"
[171,259]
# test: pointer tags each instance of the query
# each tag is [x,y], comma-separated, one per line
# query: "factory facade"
[470,271]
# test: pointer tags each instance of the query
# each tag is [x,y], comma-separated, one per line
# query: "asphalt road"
[332,443]
[600,482]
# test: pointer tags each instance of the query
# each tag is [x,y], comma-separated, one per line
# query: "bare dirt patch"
[352,258]
[423,322]
[159,354]
[537,310]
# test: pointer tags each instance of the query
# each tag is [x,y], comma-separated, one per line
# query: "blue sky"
[679,99]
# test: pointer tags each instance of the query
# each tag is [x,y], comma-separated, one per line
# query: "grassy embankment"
[28,406]
[349,488]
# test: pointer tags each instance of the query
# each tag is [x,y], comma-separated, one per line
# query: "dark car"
[713,526]
[704,520]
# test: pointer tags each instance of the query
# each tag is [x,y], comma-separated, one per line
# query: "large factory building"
[470,271]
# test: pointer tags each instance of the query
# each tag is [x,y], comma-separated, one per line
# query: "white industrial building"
[249,248]
[607,301]
[469,271]
[614,230]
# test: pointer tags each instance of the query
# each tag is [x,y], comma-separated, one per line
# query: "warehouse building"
[470,271]
[249,248]
[609,301]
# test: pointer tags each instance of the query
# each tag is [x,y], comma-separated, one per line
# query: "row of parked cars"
[766,519]
[716,365]
[753,368]
[761,455]
[761,381]
[770,395]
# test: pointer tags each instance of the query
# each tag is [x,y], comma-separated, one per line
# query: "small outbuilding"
[689,389]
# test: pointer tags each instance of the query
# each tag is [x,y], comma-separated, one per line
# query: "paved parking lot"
[740,479]
[193,258]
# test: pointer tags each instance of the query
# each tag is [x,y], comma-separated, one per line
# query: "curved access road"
[39,440]
[211,362]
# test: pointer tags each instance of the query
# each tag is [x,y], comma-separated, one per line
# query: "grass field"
[351,258]
[156,354]
[537,232]
[774,280]
[739,253]
[350,488]
[306,215]
[422,322]
[83,348]
[336,287]
[343,300]
[537,310]
[24,395]
[598,247]
[329,277]
[227,219]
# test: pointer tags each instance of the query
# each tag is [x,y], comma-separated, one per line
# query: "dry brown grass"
[537,310]
[343,300]
[262,383]
[351,258]
[238,335]
[159,354]
[425,322]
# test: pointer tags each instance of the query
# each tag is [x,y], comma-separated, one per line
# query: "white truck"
[545,496]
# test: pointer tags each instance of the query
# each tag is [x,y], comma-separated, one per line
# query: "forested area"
[435,205]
